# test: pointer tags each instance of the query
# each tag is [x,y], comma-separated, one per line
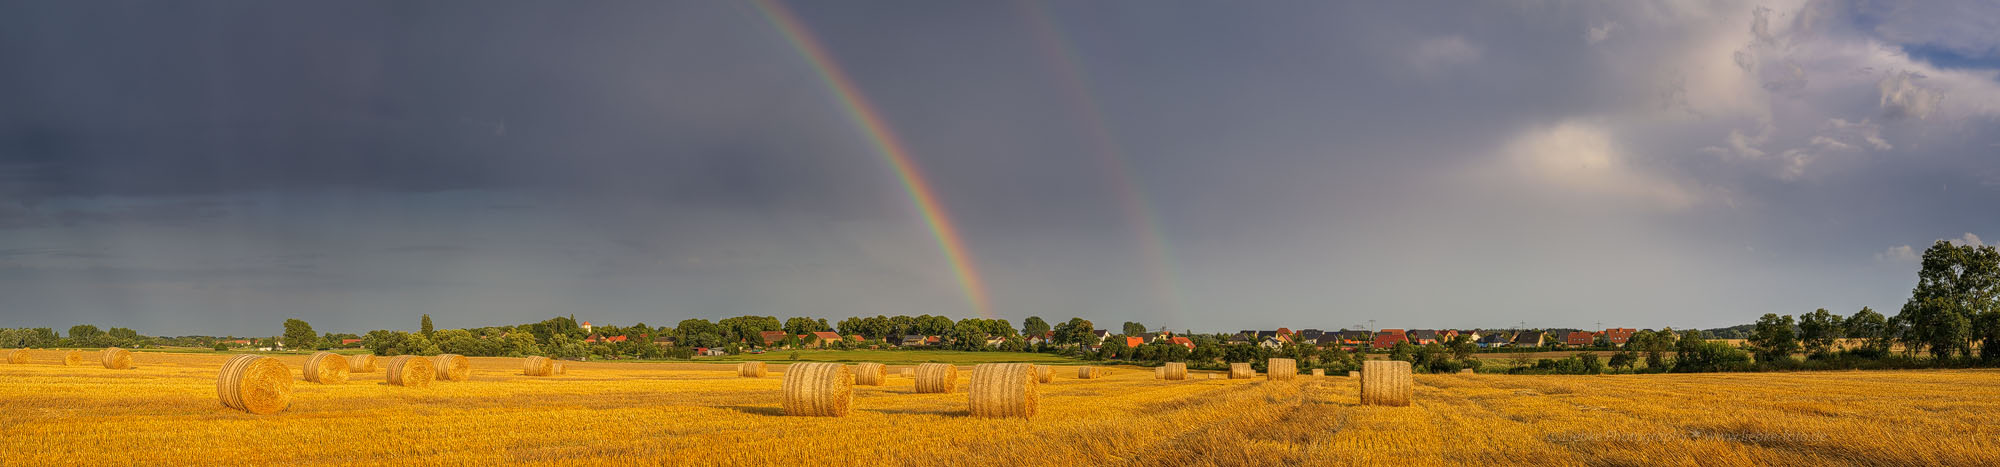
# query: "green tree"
[1076,331]
[84,335]
[1987,328]
[1773,338]
[1695,354]
[1872,329]
[1462,347]
[1817,332]
[426,326]
[1590,363]
[417,344]
[1955,284]
[748,328]
[460,341]
[802,325]
[1134,329]
[521,344]
[854,325]
[1113,349]
[1034,326]
[299,335]
[1403,351]
[1623,359]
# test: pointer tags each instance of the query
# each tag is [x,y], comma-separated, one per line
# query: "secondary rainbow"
[1110,158]
[888,146]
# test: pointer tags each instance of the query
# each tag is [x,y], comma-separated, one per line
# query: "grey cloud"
[1902,97]
[1306,163]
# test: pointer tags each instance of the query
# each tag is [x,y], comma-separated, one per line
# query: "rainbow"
[1111,159]
[888,146]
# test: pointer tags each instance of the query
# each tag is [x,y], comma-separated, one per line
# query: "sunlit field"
[165,412]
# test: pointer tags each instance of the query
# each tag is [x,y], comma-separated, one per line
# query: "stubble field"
[165,412]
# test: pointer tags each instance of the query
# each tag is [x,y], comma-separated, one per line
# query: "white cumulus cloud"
[1584,157]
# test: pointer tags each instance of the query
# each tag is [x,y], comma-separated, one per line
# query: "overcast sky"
[203,167]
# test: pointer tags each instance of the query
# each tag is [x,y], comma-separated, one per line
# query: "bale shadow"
[765,411]
[940,413]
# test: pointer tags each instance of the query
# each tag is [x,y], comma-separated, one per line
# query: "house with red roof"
[821,338]
[349,341]
[1387,338]
[1183,341]
[1134,341]
[772,337]
[595,338]
[1046,337]
[1619,336]
[1580,338]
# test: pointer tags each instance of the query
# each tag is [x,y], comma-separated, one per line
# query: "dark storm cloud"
[1308,163]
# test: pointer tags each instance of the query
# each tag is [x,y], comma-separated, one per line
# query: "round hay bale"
[562,368]
[1044,374]
[364,363]
[908,372]
[538,366]
[117,358]
[1385,382]
[73,358]
[1176,371]
[411,370]
[937,377]
[1354,374]
[1281,369]
[1467,371]
[453,367]
[1091,372]
[752,369]
[1001,390]
[1160,373]
[17,356]
[870,374]
[818,390]
[1241,371]
[1319,372]
[259,385]
[326,368]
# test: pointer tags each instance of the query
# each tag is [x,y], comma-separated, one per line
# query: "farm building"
[821,338]
[1496,339]
[770,338]
[1183,341]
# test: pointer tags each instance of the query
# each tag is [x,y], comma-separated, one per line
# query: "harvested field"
[164,412]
